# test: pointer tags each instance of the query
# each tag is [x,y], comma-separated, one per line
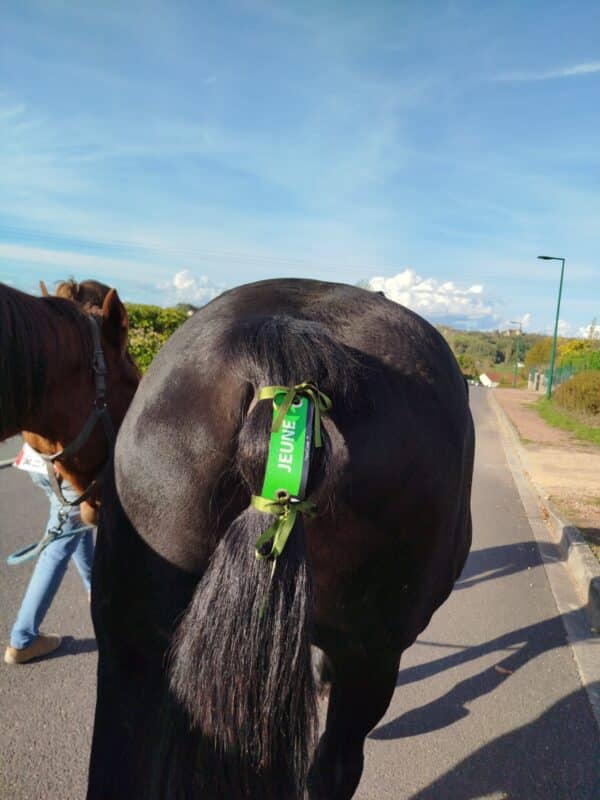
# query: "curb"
[8,462]
[581,563]
[583,567]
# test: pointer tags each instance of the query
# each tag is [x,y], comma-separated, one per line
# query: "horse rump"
[240,663]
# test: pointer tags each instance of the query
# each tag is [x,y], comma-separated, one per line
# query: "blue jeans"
[51,566]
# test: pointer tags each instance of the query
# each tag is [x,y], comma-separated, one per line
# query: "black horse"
[205,686]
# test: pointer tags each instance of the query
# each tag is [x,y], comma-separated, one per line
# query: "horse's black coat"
[223,707]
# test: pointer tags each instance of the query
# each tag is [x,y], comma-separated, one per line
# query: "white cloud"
[588,68]
[589,332]
[437,301]
[580,69]
[184,287]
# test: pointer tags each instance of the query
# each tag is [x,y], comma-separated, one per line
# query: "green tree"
[467,365]
[538,354]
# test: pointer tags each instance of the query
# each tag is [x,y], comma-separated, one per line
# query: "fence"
[538,379]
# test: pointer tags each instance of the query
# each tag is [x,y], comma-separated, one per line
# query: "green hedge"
[583,362]
[149,329]
[580,393]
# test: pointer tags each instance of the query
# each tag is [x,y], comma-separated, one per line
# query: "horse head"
[67,379]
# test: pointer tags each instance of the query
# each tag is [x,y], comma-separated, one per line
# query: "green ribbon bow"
[321,403]
[278,533]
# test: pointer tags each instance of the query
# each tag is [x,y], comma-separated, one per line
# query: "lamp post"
[553,351]
[514,322]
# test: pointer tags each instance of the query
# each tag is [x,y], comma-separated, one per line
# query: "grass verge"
[560,419]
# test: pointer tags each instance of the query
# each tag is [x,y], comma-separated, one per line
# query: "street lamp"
[553,351]
[514,322]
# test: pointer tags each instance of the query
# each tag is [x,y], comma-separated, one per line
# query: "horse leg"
[361,690]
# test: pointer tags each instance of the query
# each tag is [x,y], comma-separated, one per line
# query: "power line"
[248,258]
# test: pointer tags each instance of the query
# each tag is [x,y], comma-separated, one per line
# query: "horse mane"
[30,332]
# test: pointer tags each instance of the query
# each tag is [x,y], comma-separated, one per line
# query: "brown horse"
[205,688]
[49,376]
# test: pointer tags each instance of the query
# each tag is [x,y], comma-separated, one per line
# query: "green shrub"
[149,329]
[580,393]
[586,360]
[574,349]
[155,318]
[467,365]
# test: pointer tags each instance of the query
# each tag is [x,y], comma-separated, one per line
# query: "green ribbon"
[282,507]
[321,402]
[279,531]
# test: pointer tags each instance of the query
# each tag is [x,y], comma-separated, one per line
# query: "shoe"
[40,647]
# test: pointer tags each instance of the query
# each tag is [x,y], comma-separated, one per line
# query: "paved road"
[457,728]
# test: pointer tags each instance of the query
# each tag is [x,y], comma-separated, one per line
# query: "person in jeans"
[26,640]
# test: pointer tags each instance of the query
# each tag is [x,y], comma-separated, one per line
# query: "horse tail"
[241,661]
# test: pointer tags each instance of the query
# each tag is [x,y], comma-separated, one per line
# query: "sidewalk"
[565,470]
[566,476]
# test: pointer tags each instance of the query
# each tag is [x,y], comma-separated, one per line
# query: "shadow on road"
[491,563]
[73,647]
[526,643]
[591,535]
[534,761]
[529,762]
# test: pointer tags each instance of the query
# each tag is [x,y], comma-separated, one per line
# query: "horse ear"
[115,322]
[44,290]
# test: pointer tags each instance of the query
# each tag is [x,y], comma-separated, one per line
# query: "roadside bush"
[585,361]
[580,393]
[149,329]
[574,349]
[154,318]
[467,365]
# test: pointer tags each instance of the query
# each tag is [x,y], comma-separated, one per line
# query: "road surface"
[489,701]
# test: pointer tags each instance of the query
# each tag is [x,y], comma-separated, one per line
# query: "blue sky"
[175,149]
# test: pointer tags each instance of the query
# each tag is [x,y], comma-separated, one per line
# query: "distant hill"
[480,351]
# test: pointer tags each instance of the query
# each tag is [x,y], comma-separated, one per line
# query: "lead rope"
[52,535]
